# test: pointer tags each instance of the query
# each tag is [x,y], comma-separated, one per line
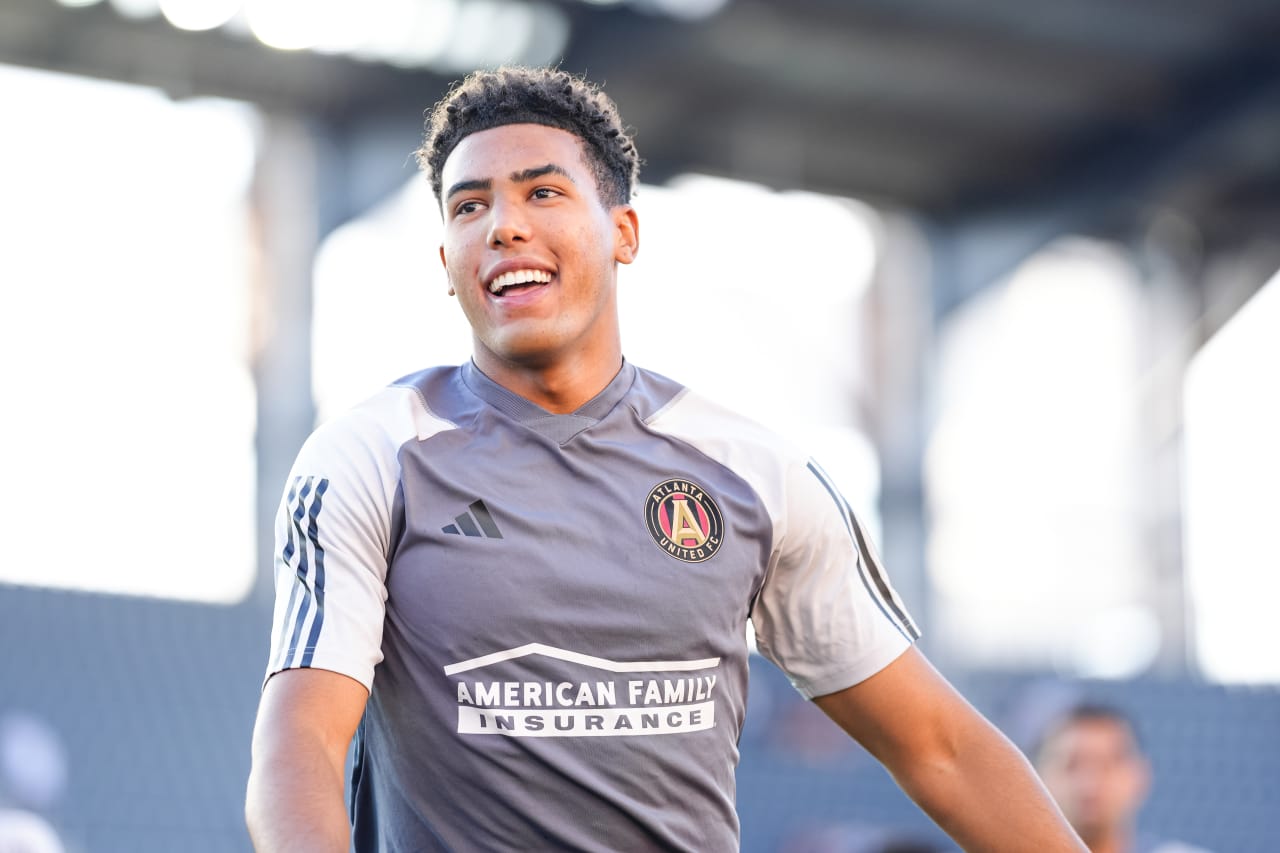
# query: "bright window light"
[1231,494]
[689,10]
[381,307]
[370,29]
[489,33]
[285,24]
[128,452]
[1037,522]
[550,36]
[137,9]
[199,15]
[772,325]
[406,32]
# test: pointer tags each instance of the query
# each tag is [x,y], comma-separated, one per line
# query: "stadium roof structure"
[935,106]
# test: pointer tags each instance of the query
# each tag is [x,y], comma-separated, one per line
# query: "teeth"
[507,279]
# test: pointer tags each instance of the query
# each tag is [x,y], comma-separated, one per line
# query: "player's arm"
[306,720]
[948,758]
[331,541]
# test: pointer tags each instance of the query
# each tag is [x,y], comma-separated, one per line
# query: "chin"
[523,352]
[1091,825]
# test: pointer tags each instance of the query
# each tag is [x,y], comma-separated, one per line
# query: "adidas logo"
[478,522]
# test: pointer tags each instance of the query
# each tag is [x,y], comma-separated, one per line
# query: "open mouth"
[518,281]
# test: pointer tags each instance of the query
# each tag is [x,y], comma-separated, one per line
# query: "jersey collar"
[559,428]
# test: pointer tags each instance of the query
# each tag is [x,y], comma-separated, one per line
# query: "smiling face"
[531,252]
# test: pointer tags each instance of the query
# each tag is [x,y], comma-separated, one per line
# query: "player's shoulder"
[688,413]
[381,423]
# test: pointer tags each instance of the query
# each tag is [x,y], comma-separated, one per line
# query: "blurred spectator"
[1091,760]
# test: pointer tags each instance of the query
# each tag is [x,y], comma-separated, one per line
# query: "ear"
[445,264]
[627,233]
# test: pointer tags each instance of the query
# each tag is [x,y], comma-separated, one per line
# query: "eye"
[543,193]
[466,207]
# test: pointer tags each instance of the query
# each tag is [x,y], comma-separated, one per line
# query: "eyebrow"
[464,186]
[538,172]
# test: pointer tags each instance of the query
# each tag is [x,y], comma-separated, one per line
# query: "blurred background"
[1008,269]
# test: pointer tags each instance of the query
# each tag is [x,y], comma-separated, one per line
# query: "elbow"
[929,771]
[932,768]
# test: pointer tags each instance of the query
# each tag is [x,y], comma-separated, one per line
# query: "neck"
[560,387]
[1118,840]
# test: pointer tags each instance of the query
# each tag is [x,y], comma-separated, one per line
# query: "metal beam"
[1115,178]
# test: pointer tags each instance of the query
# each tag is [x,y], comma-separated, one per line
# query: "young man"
[522,584]
[1092,764]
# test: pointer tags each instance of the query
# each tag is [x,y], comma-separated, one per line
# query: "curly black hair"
[546,96]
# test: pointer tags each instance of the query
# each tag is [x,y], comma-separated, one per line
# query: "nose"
[508,224]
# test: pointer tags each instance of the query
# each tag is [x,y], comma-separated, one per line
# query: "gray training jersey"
[550,611]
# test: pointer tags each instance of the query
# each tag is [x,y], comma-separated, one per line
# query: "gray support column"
[285,236]
[312,176]
[1191,292]
[1170,257]
[900,315]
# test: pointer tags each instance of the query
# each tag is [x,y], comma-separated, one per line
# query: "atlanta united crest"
[684,520]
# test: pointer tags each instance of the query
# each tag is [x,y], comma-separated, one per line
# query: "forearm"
[295,799]
[957,766]
[984,794]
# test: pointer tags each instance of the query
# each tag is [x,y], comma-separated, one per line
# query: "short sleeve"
[826,613]
[332,540]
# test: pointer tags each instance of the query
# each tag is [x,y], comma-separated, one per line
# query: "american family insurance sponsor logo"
[622,698]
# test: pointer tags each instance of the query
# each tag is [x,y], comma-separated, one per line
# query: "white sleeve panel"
[826,613]
[333,537]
